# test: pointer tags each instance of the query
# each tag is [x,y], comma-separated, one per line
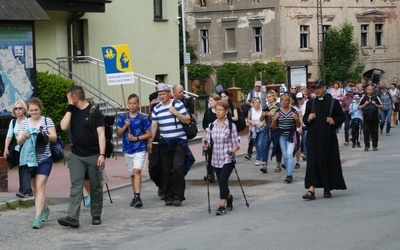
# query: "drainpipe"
[69,37]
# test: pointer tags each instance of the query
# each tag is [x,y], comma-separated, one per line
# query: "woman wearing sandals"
[34,134]
[223,142]
[322,117]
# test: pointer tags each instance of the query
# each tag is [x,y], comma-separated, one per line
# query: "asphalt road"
[366,216]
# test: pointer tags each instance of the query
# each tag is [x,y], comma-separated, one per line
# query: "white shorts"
[135,161]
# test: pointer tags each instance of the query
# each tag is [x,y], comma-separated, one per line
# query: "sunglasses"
[18,108]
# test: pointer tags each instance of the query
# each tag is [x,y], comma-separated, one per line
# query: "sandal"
[327,194]
[310,195]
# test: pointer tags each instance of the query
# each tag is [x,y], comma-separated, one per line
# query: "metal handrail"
[99,62]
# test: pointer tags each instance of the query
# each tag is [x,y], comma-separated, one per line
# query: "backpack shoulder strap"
[14,121]
[331,107]
[91,114]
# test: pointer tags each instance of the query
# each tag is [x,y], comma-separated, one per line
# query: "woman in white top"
[336,91]
[395,94]
[258,131]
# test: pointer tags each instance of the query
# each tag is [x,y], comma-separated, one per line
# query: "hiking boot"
[264,169]
[68,222]
[248,157]
[45,215]
[96,220]
[37,223]
[229,202]
[137,202]
[221,211]
[297,165]
[289,179]
[277,169]
[87,201]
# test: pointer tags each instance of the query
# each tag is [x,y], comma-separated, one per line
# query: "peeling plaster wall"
[281,20]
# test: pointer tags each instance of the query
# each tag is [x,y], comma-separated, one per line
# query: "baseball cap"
[162,87]
[299,95]
[349,89]
[258,83]
[318,83]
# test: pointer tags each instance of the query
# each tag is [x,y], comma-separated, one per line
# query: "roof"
[75,5]
[21,10]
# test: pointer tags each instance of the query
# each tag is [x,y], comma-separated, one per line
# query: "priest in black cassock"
[322,117]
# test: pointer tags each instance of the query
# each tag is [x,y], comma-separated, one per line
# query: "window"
[325,29]
[257,34]
[204,42]
[378,35]
[157,9]
[230,44]
[203,3]
[303,36]
[229,2]
[364,35]
[78,45]
[256,1]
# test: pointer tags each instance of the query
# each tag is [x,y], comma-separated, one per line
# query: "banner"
[118,64]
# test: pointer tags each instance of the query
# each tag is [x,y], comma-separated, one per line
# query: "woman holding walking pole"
[223,144]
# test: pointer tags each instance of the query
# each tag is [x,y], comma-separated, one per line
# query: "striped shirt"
[170,126]
[286,121]
[25,124]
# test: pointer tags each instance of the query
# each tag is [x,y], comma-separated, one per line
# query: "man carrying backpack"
[370,105]
[87,155]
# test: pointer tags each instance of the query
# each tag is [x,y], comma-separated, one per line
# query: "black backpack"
[370,111]
[241,121]
[109,123]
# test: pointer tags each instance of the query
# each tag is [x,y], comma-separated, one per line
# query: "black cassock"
[324,169]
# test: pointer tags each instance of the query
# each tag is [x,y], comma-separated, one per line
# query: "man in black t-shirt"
[87,155]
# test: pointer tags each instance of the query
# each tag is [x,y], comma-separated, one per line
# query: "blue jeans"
[287,149]
[303,141]
[261,146]
[385,116]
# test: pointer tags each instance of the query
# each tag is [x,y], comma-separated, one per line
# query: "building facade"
[286,30]
[150,28]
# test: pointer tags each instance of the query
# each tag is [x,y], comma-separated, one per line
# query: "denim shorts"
[44,168]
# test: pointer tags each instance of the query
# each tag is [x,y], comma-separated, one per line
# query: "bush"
[52,91]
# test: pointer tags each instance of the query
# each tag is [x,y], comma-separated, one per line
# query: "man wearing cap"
[322,117]
[347,100]
[172,145]
[256,92]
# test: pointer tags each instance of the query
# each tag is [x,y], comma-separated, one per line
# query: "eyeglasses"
[18,108]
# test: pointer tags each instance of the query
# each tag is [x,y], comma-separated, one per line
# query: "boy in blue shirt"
[135,129]
[356,121]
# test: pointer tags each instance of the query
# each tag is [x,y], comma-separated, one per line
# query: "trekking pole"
[103,177]
[208,183]
[237,175]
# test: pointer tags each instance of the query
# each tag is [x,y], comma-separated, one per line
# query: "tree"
[340,55]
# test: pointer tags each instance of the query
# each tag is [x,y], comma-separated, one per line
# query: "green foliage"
[52,90]
[244,75]
[199,70]
[340,54]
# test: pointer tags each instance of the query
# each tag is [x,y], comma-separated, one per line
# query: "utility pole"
[321,64]
[186,56]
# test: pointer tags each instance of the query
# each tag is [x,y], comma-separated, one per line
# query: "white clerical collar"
[320,98]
